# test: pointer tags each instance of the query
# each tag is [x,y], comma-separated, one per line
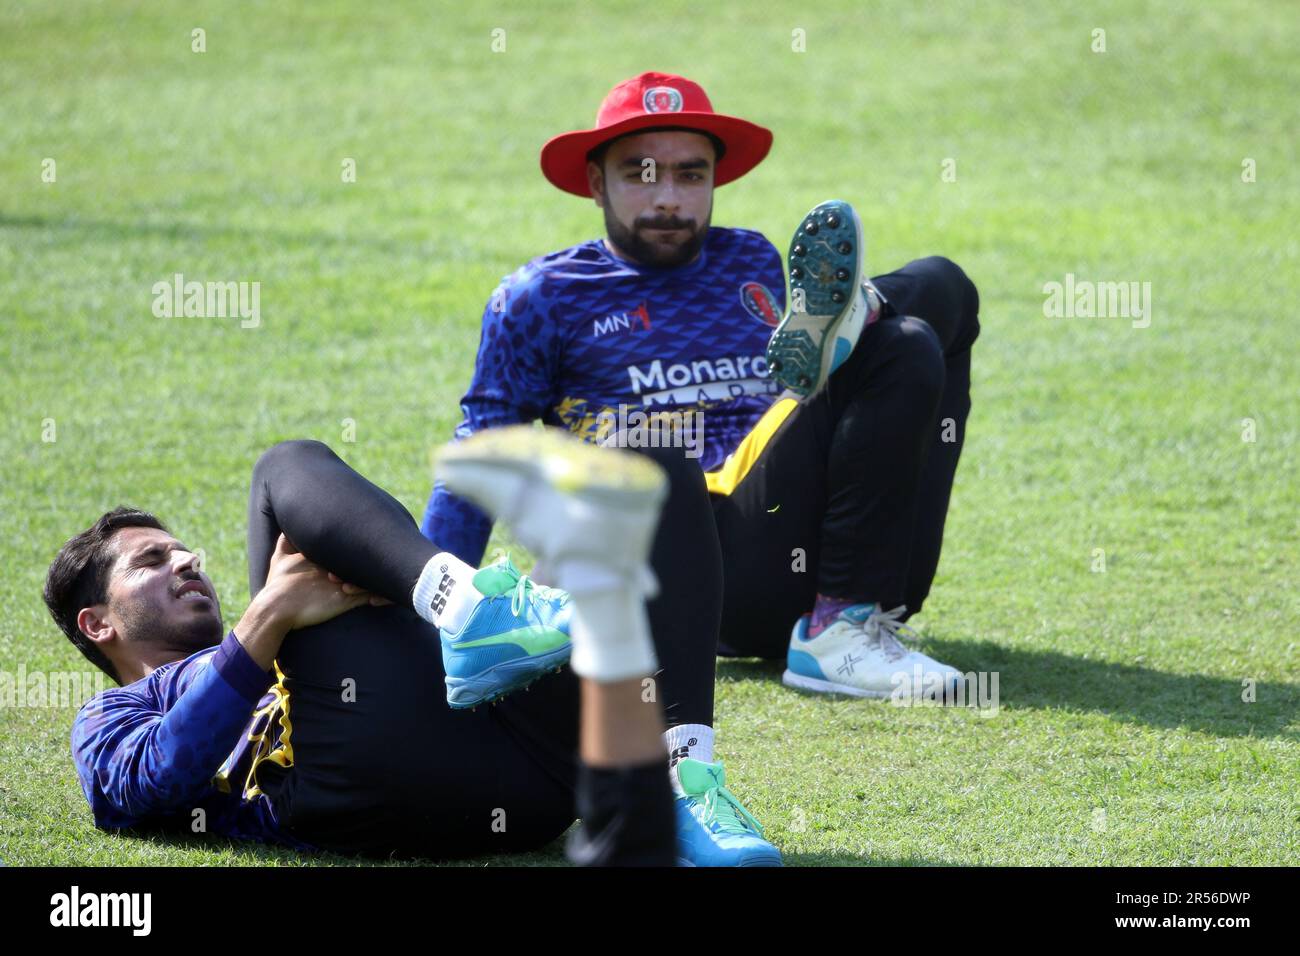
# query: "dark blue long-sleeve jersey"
[180,740]
[579,332]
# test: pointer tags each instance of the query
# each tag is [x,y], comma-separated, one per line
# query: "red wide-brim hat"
[645,102]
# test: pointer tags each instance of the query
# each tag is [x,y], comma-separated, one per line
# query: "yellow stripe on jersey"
[266,744]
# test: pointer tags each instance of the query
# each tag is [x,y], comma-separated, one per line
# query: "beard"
[636,244]
[142,622]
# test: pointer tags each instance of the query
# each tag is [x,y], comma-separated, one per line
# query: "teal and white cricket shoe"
[859,655]
[713,829]
[830,300]
[517,633]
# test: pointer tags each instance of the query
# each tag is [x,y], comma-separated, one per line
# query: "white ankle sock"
[611,636]
[610,632]
[687,740]
[444,595]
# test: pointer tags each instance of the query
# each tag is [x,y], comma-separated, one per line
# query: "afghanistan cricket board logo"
[760,303]
[662,99]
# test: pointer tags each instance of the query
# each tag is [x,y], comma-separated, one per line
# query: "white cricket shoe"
[590,513]
[565,500]
[859,655]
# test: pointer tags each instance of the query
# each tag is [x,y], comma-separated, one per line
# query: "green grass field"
[1121,691]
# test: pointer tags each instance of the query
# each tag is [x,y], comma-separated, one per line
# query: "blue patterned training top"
[575,334]
[180,740]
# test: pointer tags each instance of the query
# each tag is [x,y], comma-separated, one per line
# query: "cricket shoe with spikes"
[589,513]
[830,301]
[516,633]
[859,655]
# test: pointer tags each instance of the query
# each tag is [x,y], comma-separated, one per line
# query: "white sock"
[688,740]
[610,632]
[611,636]
[444,595]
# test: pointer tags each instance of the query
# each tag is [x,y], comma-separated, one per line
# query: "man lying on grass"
[319,720]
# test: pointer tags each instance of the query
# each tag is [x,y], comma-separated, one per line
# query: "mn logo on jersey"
[662,99]
[622,321]
[760,303]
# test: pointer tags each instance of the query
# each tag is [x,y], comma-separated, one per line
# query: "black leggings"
[380,763]
[849,496]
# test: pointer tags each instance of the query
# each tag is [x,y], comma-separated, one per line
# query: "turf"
[1122,735]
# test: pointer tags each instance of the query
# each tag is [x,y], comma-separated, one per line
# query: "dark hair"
[597,153]
[78,577]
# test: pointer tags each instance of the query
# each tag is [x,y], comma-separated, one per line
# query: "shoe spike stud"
[796,272]
[804,381]
[845,248]
[810,227]
[841,273]
[837,297]
[799,249]
[832,221]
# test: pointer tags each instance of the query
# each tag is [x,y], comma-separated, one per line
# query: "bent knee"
[954,278]
[961,293]
[295,446]
[288,450]
[917,347]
